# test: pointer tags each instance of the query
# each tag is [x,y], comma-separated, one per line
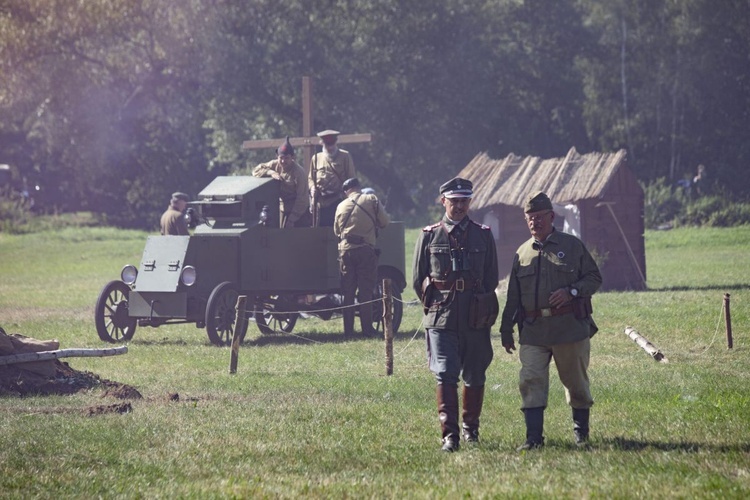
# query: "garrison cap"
[286,148]
[329,136]
[536,202]
[351,183]
[368,190]
[180,196]
[457,188]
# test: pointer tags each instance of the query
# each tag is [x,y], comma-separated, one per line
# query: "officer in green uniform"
[328,171]
[357,221]
[549,297]
[455,260]
[294,202]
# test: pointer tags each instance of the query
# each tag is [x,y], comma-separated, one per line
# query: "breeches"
[452,355]
[572,362]
[359,273]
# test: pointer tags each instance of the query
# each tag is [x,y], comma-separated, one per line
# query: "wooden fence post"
[239,326]
[388,325]
[728,320]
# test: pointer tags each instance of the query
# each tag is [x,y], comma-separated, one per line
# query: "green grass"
[319,418]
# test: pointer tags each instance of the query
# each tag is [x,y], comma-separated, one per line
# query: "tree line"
[110,105]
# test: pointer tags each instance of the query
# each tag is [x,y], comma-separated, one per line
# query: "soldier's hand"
[560,297]
[509,348]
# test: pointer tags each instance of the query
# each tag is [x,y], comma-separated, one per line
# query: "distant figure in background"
[293,199]
[328,171]
[173,220]
[700,182]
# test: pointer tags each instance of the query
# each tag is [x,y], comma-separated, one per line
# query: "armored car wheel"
[221,314]
[113,324]
[377,310]
[273,321]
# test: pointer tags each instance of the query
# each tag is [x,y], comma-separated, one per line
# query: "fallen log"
[28,357]
[645,344]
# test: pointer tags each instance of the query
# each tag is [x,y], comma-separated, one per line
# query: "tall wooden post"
[728,321]
[388,325]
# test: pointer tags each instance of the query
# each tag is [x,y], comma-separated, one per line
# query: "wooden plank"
[12,359]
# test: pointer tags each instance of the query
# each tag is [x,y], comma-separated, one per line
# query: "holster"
[483,310]
[582,307]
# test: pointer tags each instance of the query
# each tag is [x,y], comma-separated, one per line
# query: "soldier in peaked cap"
[455,275]
[173,219]
[549,298]
[358,219]
[293,200]
[328,171]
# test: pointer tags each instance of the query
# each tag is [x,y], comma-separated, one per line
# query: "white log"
[27,357]
[645,344]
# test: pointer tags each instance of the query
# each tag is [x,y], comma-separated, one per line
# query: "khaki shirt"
[432,258]
[359,215]
[561,261]
[293,194]
[173,222]
[329,175]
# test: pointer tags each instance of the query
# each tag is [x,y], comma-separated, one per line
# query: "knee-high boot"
[348,314]
[534,418]
[473,399]
[581,425]
[365,318]
[447,400]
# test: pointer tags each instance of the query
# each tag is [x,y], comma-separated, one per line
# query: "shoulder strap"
[348,216]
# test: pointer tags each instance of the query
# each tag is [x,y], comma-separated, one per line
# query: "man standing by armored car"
[173,219]
[455,275]
[328,171]
[358,219]
[549,296]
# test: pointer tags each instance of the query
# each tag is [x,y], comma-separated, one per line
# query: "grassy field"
[314,415]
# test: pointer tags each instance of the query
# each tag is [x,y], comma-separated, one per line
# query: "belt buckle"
[546,312]
[460,285]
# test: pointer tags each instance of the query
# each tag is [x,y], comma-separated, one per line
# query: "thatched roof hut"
[596,197]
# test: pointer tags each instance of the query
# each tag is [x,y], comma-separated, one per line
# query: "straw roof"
[510,180]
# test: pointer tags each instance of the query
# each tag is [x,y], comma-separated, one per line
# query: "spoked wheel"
[273,320]
[377,310]
[113,324]
[221,314]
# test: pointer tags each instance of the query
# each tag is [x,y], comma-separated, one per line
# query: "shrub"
[663,203]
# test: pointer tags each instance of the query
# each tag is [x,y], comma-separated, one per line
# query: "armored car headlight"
[128,274]
[189,275]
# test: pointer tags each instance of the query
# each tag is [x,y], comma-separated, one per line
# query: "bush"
[733,215]
[662,204]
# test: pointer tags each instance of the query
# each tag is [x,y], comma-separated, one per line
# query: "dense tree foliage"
[109,105]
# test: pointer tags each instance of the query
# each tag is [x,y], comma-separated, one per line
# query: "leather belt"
[460,284]
[550,311]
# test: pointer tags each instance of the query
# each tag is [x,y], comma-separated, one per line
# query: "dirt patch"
[20,382]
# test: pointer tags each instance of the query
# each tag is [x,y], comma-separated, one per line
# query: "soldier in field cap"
[328,171]
[173,220]
[455,264]
[549,298]
[293,199]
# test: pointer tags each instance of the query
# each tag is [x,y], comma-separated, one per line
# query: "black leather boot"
[365,319]
[581,425]
[447,400]
[534,418]
[348,314]
[473,400]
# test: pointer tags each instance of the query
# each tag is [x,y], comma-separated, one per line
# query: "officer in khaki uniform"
[549,297]
[357,221]
[454,261]
[294,202]
[328,171]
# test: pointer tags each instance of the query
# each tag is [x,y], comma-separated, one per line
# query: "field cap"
[351,183]
[180,196]
[368,190]
[329,136]
[286,148]
[536,202]
[457,188]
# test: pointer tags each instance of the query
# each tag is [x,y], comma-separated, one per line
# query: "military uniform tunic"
[454,348]
[173,222]
[293,194]
[539,269]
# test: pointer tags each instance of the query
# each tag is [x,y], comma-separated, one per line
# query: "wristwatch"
[573,291]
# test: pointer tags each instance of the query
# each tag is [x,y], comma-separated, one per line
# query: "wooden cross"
[309,140]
